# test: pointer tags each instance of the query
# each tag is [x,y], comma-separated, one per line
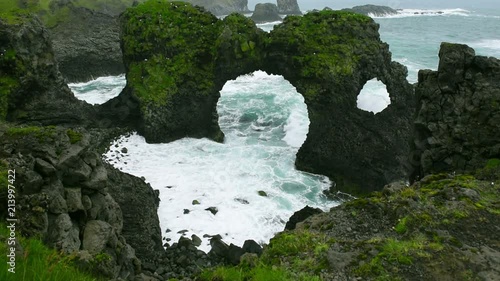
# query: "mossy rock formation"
[457,126]
[179,57]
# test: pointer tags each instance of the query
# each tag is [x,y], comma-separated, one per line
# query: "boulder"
[300,216]
[457,126]
[266,12]
[288,7]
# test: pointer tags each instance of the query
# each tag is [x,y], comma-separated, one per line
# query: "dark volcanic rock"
[334,55]
[457,126]
[267,12]
[300,216]
[288,7]
[31,86]
[372,10]
[87,45]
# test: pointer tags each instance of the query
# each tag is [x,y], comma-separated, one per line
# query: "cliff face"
[328,56]
[32,89]
[457,126]
[65,193]
[222,7]
[87,44]
[288,7]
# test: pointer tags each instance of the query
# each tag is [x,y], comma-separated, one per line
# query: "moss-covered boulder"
[179,57]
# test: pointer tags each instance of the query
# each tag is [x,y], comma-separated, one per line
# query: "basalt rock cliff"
[328,56]
[457,126]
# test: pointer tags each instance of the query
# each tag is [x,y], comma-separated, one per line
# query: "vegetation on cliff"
[439,228]
[35,261]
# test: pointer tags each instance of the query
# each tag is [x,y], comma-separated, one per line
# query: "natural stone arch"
[179,57]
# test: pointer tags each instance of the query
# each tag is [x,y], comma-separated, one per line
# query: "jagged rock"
[74,199]
[373,10]
[359,151]
[222,7]
[234,254]
[288,7]
[140,215]
[35,91]
[96,235]
[57,204]
[64,235]
[457,126]
[44,167]
[250,246]
[104,208]
[196,240]
[212,210]
[300,216]
[266,12]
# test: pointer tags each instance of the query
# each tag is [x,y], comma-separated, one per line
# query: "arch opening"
[374,97]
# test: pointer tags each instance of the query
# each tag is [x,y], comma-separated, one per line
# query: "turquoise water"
[265,122]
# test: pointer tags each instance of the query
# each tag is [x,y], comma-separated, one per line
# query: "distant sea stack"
[372,10]
[288,7]
[222,7]
[266,12]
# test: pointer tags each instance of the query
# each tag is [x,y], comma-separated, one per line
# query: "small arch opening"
[374,97]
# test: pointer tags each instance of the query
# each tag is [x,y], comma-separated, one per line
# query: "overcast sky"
[397,4]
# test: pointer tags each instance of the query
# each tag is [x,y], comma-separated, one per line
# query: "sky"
[396,4]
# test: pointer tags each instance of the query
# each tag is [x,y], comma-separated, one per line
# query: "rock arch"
[179,57]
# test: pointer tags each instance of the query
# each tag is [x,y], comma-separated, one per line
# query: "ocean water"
[265,122]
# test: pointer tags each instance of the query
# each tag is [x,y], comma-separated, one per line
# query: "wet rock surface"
[457,126]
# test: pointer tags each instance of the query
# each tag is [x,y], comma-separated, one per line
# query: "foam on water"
[373,97]
[100,90]
[403,13]
[490,44]
[260,116]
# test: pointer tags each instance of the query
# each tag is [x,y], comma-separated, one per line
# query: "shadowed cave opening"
[374,97]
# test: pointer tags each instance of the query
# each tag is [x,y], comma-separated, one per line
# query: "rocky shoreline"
[442,226]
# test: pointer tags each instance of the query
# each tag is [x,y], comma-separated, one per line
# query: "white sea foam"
[403,13]
[260,115]
[373,97]
[491,44]
[100,90]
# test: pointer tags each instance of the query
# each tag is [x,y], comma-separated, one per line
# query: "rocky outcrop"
[87,44]
[177,80]
[457,125]
[288,7]
[372,10]
[62,196]
[300,216]
[222,7]
[267,12]
[32,89]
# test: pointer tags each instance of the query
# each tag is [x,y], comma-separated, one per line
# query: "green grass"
[39,263]
[42,134]
[73,136]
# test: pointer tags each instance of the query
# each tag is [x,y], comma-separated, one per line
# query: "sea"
[250,178]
